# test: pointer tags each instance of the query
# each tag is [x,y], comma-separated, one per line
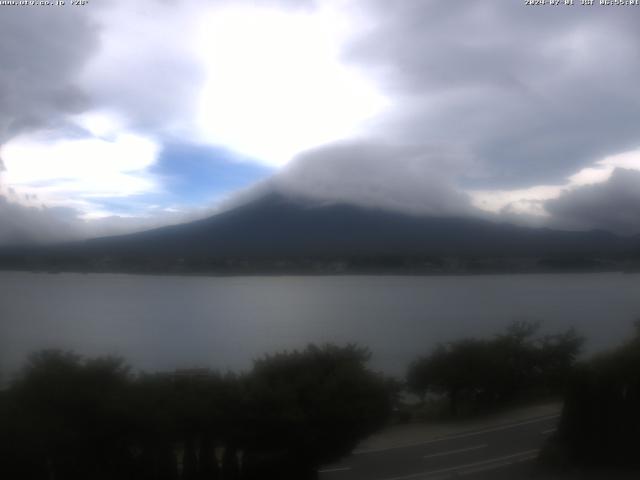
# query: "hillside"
[274,232]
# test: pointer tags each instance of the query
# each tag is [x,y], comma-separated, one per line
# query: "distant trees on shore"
[485,373]
[66,418]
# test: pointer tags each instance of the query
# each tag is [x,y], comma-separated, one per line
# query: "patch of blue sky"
[194,175]
[189,176]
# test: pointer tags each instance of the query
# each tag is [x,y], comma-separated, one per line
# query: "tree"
[67,417]
[600,423]
[311,407]
[491,372]
[72,418]
[557,356]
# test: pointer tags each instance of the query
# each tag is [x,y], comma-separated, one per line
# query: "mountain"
[277,230]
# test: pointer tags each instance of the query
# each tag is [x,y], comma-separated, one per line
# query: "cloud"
[275,84]
[535,94]
[496,107]
[22,224]
[145,70]
[409,178]
[262,78]
[42,51]
[25,221]
[612,205]
[531,202]
[54,167]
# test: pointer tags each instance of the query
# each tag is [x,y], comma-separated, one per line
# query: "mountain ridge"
[275,228]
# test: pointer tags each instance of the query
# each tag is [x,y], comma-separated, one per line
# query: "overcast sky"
[123,114]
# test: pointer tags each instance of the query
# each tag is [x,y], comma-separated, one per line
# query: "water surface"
[168,322]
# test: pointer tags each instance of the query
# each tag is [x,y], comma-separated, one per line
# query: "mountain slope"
[277,226]
[274,228]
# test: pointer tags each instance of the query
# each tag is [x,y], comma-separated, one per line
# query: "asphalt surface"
[505,451]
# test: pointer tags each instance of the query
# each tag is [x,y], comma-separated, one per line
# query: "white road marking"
[485,464]
[331,470]
[460,450]
[547,432]
[461,435]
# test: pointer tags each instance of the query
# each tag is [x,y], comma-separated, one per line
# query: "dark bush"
[484,373]
[69,418]
[600,423]
[312,407]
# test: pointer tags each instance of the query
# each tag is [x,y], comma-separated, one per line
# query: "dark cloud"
[32,225]
[417,179]
[535,93]
[41,53]
[612,205]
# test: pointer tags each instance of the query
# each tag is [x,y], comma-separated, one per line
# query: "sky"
[117,116]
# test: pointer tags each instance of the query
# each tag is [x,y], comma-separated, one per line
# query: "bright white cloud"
[263,80]
[275,85]
[56,168]
[523,201]
[100,124]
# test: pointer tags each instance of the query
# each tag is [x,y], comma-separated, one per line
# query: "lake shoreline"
[307,273]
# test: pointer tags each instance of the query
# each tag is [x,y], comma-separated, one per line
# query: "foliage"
[317,403]
[71,418]
[65,416]
[600,422]
[489,372]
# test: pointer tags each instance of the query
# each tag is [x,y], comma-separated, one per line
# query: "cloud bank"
[612,205]
[535,93]
[42,52]
[416,179]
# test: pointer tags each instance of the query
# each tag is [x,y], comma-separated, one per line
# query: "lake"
[167,322]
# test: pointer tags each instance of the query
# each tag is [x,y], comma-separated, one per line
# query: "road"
[504,451]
